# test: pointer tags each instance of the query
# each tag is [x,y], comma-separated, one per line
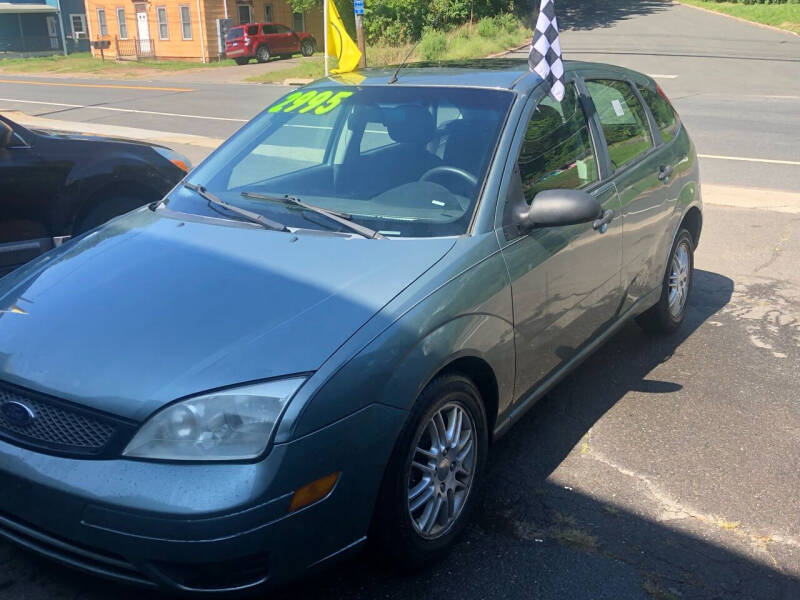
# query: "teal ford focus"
[314,339]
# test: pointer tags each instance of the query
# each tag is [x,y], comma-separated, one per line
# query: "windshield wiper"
[247,214]
[341,218]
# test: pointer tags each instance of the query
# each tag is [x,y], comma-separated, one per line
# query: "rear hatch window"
[234,33]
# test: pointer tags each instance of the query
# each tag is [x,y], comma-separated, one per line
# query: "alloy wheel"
[679,275]
[442,468]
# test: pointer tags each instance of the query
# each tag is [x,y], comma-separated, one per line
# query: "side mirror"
[6,135]
[551,208]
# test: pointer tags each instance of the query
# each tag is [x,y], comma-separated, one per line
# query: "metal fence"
[135,48]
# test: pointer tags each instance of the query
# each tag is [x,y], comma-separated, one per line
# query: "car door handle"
[664,172]
[601,223]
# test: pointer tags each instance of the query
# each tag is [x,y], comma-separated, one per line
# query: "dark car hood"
[93,137]
[150,308]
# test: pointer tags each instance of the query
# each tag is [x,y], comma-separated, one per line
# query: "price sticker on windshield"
[312,101]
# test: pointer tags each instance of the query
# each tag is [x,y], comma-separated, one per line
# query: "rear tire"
[669,313]
[262,54]
[242,60]
[444,483]
[307,48]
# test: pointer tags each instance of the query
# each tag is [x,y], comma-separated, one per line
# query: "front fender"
[483,336]
[118,169]
[467,316]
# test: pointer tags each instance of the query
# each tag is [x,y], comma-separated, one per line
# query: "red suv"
[264,40]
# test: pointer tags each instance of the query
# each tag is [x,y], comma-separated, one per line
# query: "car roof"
[502,73]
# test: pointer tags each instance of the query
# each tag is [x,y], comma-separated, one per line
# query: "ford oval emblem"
[17,414]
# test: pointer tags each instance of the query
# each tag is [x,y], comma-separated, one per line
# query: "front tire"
[307,48]
[432,481]
[262,54]
[669,313]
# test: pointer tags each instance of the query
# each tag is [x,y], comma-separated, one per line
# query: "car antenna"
[403,64]
[410,52]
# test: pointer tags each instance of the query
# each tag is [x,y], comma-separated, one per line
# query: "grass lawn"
[785,16]
[307,68]
[478,40]
[83,62]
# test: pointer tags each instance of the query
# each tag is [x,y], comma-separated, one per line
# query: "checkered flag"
[545,55]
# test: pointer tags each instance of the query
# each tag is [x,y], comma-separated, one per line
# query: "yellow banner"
[340,45]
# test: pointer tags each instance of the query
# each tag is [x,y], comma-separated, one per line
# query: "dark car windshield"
[234,33]
[405,161]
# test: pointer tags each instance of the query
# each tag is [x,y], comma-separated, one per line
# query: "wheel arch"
[481,373]
[693,222]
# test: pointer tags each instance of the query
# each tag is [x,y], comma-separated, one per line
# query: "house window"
[268,13]
[298,21]
[186,23]
[245,14]
[163,30]
[101,20]
[122,26]
[78,23]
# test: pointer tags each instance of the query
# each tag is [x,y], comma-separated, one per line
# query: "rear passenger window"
[252,30]
[623,120]
[665,116]
[557,151]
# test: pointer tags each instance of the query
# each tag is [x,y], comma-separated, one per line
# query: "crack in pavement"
[674,510]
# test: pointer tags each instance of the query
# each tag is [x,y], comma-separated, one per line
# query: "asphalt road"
[663,468]
[736,86]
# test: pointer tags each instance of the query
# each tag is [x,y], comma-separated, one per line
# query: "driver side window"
[557,151]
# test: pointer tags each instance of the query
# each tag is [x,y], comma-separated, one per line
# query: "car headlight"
[179,160]
[233,424]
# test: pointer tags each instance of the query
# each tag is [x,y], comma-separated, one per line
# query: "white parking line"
[125,110]
[656,76]
[770,161]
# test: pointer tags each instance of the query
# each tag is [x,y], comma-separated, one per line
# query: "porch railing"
[135,48]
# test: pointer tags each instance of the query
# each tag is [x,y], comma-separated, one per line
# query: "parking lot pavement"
[663,468]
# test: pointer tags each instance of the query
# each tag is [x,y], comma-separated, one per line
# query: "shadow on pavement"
[591,14]
[533,538]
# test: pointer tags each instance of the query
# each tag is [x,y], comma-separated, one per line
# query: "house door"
[245,14]
[144,32]
[52,32]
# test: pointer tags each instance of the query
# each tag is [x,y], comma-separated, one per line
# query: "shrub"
[433,45]
[488,27]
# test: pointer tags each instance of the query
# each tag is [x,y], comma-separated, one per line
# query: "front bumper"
[200,527]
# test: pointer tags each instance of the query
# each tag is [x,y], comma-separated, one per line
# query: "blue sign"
[358,7]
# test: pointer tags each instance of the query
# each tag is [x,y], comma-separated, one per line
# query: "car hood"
[153,307]
[93,137]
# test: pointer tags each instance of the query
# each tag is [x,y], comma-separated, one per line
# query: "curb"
[509,51]
[740,19]
[296,81]
[117,131]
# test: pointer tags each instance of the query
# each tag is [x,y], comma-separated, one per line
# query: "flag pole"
[325,25]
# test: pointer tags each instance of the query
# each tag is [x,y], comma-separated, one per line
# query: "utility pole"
[358,8]
[61,27]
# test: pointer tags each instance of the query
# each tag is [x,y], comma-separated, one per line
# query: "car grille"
[55,426]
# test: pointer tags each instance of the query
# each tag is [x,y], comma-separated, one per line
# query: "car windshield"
[234,34]
[404,161]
